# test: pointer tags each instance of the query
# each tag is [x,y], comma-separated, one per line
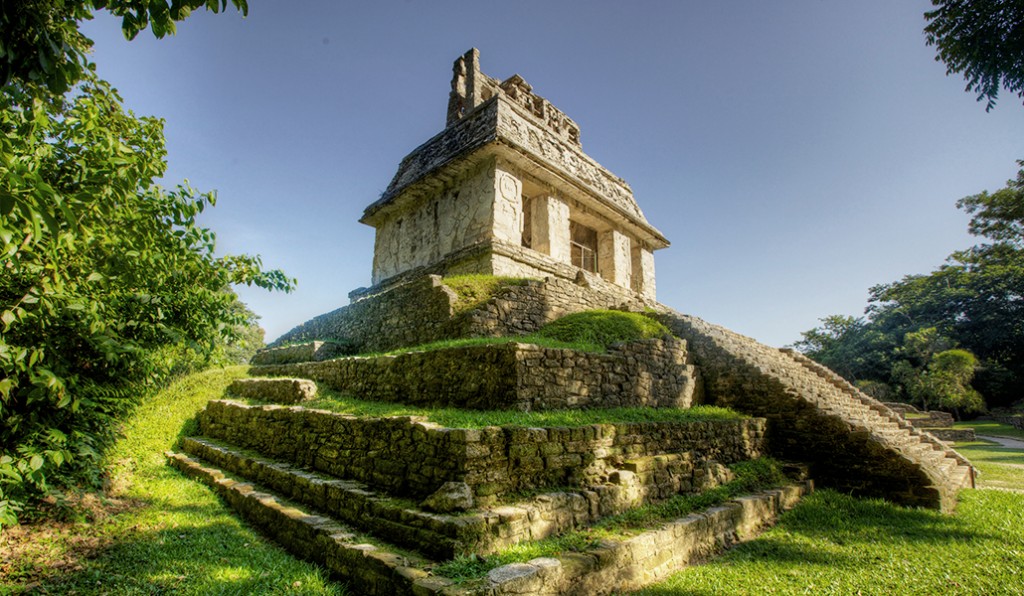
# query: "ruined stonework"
[382,501]
[652,373]
[423,310]
[508,171]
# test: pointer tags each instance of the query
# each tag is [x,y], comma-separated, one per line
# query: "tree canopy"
[107,279]
[984,40]
[974,302]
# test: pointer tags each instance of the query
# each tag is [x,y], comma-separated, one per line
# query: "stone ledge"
[310,536]
[514,376]
[303,352]
[649,557]
[478,532]
[611,567]
[410,457]
[278,391]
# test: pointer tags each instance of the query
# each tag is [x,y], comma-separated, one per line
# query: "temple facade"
[506,189]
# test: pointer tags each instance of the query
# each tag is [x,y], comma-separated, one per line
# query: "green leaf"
[35,462]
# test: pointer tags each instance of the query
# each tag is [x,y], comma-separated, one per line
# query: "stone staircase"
[852,442]
[352,493]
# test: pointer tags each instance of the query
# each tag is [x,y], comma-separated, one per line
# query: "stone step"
[439,535]
[373,567]
[796,392]
[279,390]
[412,457]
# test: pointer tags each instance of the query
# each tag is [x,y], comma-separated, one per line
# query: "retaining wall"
[411,457]
[525,377]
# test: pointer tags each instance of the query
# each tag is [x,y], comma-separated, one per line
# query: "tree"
[975,300]
[42,45]
[998,216]
[984,40]
[850,346]
[107,281]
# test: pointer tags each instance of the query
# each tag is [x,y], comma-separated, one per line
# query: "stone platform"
[357,494]
[514,376]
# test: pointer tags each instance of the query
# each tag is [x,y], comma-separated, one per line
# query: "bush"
[603,328]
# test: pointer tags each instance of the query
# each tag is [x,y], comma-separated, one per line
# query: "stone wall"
[621,566]
[411,457]
[411,314]
[852,442]
[516,376]
[453,219]
[421,310]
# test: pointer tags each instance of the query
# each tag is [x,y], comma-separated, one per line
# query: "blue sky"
[795,153]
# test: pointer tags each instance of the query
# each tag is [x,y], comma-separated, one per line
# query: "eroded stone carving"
[504,148]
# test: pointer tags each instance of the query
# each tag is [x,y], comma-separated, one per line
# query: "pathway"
[1004,441]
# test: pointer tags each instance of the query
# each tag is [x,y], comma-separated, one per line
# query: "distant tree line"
[951,339]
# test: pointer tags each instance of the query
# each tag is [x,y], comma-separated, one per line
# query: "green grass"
[475,290]
[835,544]
[175,537]
[992,428]
[1000,467]
[750,477]
[457,418]
[536,340]
[603,327]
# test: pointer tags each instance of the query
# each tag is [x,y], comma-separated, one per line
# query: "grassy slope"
[176,536]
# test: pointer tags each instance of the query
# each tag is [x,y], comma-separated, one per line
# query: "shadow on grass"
[829,532]
[220,557]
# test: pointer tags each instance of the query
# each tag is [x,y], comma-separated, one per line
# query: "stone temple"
[506,189]
[384,502]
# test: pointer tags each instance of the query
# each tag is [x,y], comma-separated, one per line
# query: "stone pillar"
[507,222]
[550,227]
[643,272]
[613,261]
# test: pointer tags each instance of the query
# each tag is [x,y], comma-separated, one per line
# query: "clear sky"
[794,152]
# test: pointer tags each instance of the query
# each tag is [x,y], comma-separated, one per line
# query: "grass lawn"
[835,544]
[161,532]
[992,428]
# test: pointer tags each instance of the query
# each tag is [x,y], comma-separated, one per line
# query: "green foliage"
[474,290]
[172,535]
[999,215]
[974,301]
[43,47]
[446,344]
[107,282]
[984,40]
[603,328]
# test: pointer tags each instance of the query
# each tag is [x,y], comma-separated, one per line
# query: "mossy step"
[612,566]
[278,390]
[371,568]
[626,564]
[438,535]
[412,457]
[441,536]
